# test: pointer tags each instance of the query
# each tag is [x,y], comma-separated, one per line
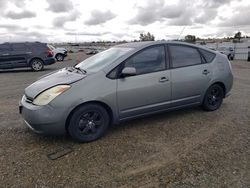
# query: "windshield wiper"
[81,70]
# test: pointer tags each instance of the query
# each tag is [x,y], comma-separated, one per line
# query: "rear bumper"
[49,61]
[44,120]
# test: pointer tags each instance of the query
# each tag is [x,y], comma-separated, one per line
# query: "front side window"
[148,60]
[183,56]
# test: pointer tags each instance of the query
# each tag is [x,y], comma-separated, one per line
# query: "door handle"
[163,79]
[5,54]
[205,72]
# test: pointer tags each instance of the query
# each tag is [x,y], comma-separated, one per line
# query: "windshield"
[102,59]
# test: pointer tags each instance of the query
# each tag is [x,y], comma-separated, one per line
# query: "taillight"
[50,53]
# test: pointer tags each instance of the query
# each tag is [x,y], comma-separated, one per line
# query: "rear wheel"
[213,98]
[36,65]
[88,123]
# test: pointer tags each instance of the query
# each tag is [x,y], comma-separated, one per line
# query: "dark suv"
[27,54]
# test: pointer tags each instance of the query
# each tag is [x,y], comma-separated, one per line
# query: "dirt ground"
[185,148]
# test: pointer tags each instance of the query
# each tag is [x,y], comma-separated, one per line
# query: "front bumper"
[43,119]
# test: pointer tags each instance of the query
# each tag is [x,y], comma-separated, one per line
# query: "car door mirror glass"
[128,71]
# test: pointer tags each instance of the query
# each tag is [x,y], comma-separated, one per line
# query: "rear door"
[20,54]
[190,75]
[150,89]
[5,56]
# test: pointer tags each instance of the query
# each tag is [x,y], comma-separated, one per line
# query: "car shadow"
[55,147]
[51,140]
[159,117]
[66,140]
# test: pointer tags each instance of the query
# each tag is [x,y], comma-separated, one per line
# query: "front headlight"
[48,95]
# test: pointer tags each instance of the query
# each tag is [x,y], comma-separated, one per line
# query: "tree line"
[188,38]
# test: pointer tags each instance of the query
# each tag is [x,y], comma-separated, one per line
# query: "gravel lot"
[185,148]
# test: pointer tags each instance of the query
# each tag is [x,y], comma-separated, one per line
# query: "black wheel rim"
[214,97]
[90,123]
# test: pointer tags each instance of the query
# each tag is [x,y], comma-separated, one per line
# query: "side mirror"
[128,71]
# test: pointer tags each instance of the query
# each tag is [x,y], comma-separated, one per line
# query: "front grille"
[28,99]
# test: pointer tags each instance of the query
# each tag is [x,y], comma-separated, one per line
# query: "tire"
[36,64]
[59,57]
[230,57]
[213,98]
[88,123]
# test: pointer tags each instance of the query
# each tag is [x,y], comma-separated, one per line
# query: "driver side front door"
[150,89]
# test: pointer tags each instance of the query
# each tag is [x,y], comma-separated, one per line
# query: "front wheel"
[213,98]
[36,65]
[88,123]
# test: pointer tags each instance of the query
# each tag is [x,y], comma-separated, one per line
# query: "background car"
[59,53]
[228,51]
[92,52]
[26,54]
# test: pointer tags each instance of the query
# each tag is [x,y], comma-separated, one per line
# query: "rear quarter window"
[209,56]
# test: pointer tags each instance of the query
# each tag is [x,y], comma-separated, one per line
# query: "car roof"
[150,43]
[13,43]
[140,45]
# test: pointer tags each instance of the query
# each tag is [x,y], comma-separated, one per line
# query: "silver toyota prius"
[124,82]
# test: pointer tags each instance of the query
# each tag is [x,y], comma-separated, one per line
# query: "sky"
[115,20]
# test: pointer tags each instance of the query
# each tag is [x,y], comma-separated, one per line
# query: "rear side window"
[19,46]
[183,56]
[209,56]
[149,60]
[37,46]
[4,47]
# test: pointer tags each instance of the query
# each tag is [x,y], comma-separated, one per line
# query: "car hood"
[62,76]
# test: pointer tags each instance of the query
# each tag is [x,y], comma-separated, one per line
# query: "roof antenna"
[181,32]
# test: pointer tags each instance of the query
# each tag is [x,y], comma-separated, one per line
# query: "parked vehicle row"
[228,51]
[124,82]
[35,55]
[92,52]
